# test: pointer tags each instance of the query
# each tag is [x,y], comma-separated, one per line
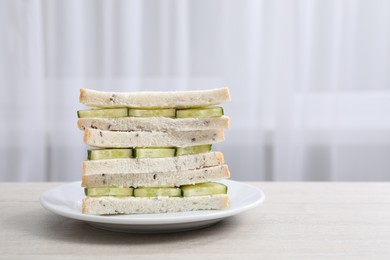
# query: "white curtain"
[309,79]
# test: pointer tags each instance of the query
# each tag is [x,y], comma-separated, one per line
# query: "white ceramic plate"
[65,200]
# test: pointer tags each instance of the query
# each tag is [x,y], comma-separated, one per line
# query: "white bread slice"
[157,179]
[99,138]
[162,124]
[150,99]
[133,205]
[152,165]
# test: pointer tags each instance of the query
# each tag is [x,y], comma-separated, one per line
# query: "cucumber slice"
[193,149]
[109,154]
[157,191]
[169,112]
[154,152]
[107,112]
[200,112]
[108,191]
[203,189]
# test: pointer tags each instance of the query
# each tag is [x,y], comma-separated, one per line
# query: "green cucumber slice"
[108,191]
[160,152]
[193,149]
[200,112]
[204,189]
[169,112]
[106,112]
[157,191]
[103,154]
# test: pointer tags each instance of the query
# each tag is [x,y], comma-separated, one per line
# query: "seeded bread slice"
[157,179]
[162,124]
[152,165]
[99,138]
[133,205]
[150,99]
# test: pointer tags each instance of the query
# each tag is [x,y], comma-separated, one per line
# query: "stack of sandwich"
[153,151]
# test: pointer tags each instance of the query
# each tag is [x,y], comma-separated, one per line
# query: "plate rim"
[150,219]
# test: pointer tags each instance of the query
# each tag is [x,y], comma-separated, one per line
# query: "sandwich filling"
[204,112]
[201,189]
[146,152]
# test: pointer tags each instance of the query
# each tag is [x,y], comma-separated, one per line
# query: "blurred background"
[310,80]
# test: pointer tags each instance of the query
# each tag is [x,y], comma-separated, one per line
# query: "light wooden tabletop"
[297,221]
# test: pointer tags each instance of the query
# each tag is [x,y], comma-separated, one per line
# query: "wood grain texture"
[297,221]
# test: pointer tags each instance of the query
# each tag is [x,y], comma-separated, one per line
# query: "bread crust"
[83,181]
[87,136]
[220,157]
[84,207]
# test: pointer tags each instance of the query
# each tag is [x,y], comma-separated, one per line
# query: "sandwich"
[152,151]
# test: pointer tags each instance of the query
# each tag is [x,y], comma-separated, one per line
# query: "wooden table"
[297,221]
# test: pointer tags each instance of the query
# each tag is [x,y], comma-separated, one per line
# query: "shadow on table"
[46,225]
